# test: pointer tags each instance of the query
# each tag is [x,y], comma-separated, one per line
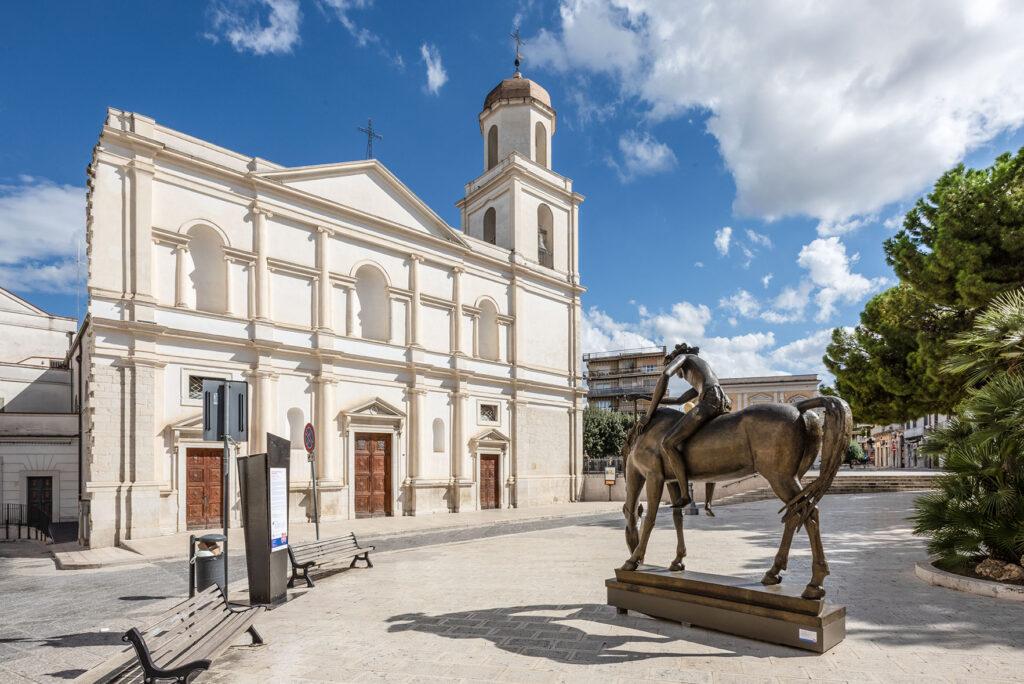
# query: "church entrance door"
[372,475]
[203,488]
[490,495]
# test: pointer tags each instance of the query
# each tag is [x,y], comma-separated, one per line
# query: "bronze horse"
[777,441]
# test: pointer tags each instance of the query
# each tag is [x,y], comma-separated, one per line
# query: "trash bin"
[205,562]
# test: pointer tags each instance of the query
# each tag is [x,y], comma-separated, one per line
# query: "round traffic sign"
[309,438]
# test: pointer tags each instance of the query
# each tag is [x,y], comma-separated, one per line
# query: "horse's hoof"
[770,579]
[677,566]
[813,592]
[630,565]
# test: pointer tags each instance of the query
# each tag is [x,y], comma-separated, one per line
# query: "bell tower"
[518,203]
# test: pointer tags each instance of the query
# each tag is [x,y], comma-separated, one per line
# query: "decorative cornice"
[295,269]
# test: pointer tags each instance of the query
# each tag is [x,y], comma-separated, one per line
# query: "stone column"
[414,286]
[324,318]
[141,172]
[476,335]
[456,343]
[327,433]
[262,410]
[260,217]
[229,295]
[458,439]
[414,440]
[350,299]
[180,284]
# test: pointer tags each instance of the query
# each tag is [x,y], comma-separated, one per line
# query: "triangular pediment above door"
[489,436]
[374,407]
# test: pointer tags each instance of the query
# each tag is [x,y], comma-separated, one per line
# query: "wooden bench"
[307,554]
[180,643]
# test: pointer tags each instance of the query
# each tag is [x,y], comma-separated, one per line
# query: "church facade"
[439,365]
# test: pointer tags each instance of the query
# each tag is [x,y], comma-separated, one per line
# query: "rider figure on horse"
[711,403]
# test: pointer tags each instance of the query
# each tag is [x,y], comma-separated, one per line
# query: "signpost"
[609,479]
[309,441]
[225,417]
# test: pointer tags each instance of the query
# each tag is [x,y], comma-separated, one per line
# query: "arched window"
[545,231]
[759,399]
[796,399]
[438,435]
[296,424]
[490,226]
[209,270]
[488,332]
[372,301]
[492,147]
[540,144]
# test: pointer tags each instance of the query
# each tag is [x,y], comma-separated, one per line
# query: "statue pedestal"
[746,608]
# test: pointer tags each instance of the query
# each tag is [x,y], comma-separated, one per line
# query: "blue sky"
[742,164]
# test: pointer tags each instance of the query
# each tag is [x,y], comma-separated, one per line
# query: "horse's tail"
[836,438]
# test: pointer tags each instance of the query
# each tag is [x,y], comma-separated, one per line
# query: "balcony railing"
[619,391]
[640,351]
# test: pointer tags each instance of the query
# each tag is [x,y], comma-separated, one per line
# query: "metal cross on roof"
[370,136]
[518,40]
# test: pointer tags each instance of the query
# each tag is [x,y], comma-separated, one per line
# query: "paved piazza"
[530,607]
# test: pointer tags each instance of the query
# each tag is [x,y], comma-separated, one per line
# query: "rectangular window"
[488,413]
[195,386]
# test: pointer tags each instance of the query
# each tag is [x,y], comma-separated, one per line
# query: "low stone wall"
[971,585]
[594,488]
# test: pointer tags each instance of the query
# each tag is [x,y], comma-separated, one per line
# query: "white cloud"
[436,75]
[742,302]
[642,155]
[759,239]
[831,111]
[753,353]
[243,24]
[698,264]
[342,11]
[828,228]
[766,280]
[828,267]
[723,237]
[894,222]
[42,230]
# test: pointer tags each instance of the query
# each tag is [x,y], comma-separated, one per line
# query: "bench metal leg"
[152,672]
[257,640]
[361,557]
[295,575]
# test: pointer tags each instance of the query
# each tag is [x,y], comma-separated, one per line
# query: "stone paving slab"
[531,608]
[74,557]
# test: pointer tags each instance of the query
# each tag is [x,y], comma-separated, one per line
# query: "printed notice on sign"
[278,508]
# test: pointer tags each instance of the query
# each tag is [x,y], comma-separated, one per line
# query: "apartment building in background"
[614,377]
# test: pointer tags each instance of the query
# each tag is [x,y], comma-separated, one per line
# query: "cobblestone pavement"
[55,623]
[530,607]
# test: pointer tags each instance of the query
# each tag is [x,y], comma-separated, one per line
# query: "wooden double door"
[372,475]
[490,481]
[203,488]
[39,497]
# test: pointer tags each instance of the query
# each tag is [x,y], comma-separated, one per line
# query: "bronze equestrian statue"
[777,441]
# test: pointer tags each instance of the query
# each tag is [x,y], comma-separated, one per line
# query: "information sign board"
[278,508]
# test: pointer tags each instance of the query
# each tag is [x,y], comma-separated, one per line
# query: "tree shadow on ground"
[66,674]
[871,553]
[81,639]
[578,633]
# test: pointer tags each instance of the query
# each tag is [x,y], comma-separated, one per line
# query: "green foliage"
[960,247]
[604,432]
[855,454]
[888,367]
[978,510]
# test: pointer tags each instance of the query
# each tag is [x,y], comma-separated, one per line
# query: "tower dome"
[517,117]
[517,89]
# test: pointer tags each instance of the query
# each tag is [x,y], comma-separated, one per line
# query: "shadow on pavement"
[578,634]
[65,674]
[72,640]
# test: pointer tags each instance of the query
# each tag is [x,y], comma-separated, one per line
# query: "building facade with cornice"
[439,365]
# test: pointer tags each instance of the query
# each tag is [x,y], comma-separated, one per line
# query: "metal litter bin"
[205,562]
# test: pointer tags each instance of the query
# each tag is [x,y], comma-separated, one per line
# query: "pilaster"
[414,287]
[324,318]
[456,334]
[180,275]
[259,218]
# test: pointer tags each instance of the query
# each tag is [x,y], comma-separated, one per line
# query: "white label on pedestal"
[278,508]
[808,635]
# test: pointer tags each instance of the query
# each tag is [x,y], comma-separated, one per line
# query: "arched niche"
[540,144]
[545,236]
[491,226]
[208,272]
[487,346]
[438,430]
[492,147]
[373,309]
